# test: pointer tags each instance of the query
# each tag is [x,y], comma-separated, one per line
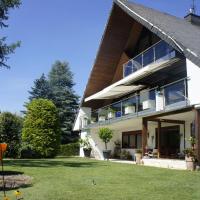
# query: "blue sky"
[67,30]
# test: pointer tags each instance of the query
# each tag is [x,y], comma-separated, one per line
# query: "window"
[175,93]
[132,140]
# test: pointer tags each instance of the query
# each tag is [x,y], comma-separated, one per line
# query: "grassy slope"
[71,178]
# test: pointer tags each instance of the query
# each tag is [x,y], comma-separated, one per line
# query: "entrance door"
[169,141]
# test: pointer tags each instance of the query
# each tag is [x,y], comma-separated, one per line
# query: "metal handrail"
[142,54]
[137,95]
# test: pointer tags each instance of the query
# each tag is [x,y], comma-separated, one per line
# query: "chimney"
[193,19]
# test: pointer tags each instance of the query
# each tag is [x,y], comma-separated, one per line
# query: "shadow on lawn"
[10,173]
[51,163]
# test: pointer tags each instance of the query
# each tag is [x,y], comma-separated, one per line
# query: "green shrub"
[10,132]
[71,149]
[27,151]
[41,128]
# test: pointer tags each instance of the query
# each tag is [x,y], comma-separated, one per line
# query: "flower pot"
[106,154]
[102,118]
[138,158]
[111,115]
[129,110]
[87,152]
[190,163]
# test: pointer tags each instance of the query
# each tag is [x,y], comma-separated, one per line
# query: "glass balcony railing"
[148,101]
[175,94]
[158,52]
[145,102]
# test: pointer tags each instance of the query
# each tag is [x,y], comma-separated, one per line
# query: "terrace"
[146,102]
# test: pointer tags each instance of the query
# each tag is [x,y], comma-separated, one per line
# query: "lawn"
[85,179]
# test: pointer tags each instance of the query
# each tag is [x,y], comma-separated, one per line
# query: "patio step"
[165,163]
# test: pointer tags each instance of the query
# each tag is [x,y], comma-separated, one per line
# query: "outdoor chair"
[153,154]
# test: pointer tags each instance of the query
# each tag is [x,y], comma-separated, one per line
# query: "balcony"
[160,99]
[159,52]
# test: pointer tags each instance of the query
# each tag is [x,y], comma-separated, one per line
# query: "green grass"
[72,179]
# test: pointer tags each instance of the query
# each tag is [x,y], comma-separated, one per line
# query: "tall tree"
[5,49]
[64,97]
[10,132]
[41,89]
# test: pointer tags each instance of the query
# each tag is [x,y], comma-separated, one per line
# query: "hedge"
[71,149]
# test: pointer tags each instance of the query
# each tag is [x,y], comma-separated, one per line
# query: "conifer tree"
[64,97]
[41,89]
[5,49]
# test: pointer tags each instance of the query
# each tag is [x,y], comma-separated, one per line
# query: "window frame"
[131,133]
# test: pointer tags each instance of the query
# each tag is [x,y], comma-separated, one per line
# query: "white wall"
[193,72]
[98,146]
[83,112]
[83,136]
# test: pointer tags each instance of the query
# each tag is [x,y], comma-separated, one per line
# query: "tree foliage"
[10,132]
[5,49]
[41,89]
[64,97]
[105,134]
[41,128]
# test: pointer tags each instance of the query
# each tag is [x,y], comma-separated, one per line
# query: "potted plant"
[111,113]
[117,149]
[93,120]
[106,134]
[102,115]
[125,155]
[85,144]
[138,156]
[129,108]
[190,156]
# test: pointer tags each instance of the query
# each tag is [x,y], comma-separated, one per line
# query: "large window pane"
[146,100]
[137,63]
[125,141]
[128,68]
[148,57]
[175,93]
[117,108]
[139,141]
[132,141]
[162,49]
[129,106]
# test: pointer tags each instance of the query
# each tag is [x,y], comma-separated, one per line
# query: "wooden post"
[144,135]
[197,133]
[158,139]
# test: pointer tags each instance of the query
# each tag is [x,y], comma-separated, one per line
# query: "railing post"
[121,108]
[137,102]
[154,54]
[142,60]
[185,95]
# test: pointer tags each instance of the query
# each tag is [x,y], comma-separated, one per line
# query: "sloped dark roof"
[178,32]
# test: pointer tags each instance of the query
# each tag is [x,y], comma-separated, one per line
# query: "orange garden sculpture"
[3,148]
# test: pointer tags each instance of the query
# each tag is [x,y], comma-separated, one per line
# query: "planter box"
[129,109]
[190,163]
[138,158]
[87,152]
[102,118]
[106,154]
[111,115]
[148,104]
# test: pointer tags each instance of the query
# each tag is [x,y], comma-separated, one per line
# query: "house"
[145,84]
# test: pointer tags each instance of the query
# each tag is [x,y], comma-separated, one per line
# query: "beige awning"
[114,92]
[126,85]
